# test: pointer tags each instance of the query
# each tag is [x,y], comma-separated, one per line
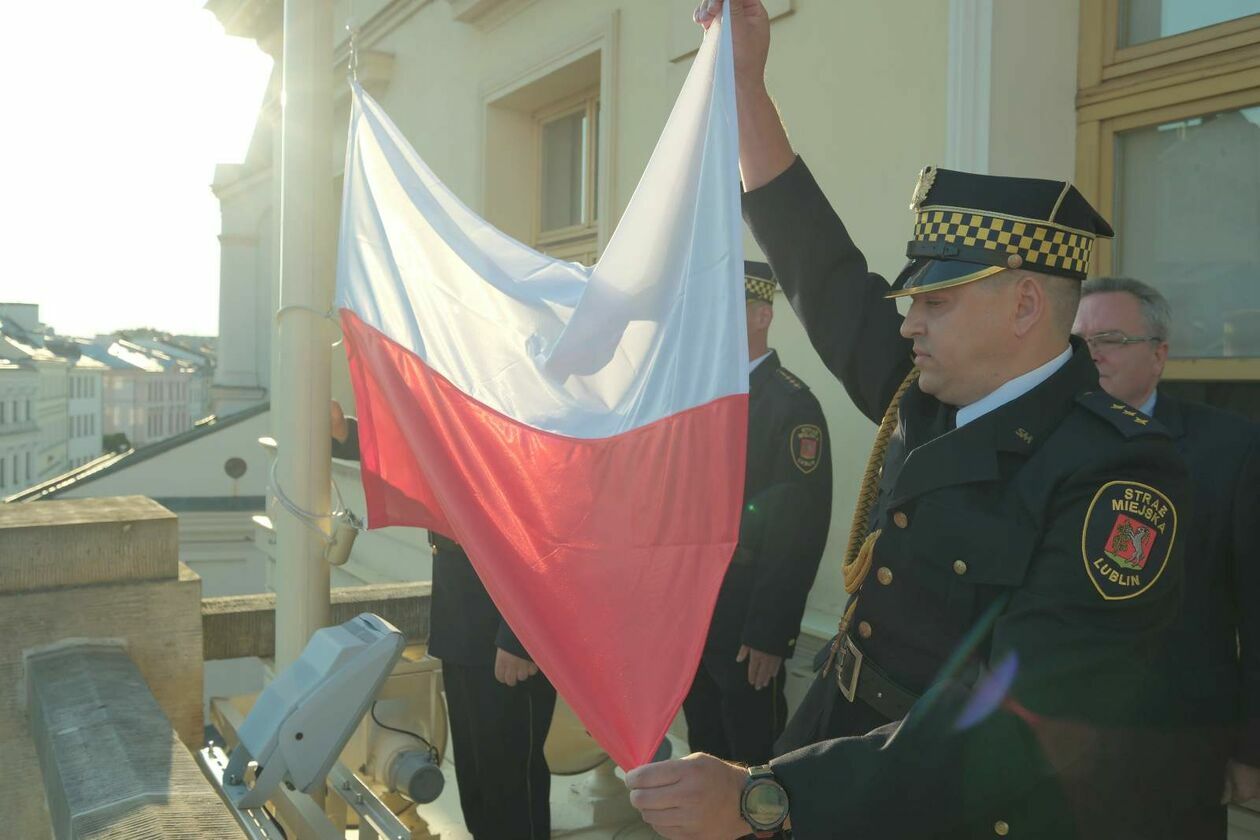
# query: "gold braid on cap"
[758,289]
[860,551]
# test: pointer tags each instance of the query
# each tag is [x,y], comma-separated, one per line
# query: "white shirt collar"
[1148,407]
[1012,389]
[753,364]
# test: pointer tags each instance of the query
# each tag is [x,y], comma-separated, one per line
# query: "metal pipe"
[301,352]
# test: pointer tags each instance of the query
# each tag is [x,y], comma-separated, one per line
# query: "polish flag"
[579,430]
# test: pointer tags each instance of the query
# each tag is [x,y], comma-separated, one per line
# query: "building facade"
[86,408]
[541,114]
[19,431]
[148,394]
[50,403]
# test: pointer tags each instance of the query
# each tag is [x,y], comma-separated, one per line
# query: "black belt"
[858,677]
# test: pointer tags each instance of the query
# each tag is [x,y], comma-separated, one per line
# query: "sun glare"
[117,115]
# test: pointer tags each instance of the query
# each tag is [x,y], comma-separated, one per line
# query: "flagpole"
[300,392]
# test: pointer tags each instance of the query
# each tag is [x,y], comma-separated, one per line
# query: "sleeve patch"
[806,446]
[1127,539]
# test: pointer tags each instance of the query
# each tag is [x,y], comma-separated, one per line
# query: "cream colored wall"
[1033,96]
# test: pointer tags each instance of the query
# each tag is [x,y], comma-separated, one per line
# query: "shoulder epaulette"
[789,379]
[1125,418]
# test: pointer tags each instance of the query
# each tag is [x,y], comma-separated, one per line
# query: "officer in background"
[1022,559]
[736,707]
[1213,652]
[498,703]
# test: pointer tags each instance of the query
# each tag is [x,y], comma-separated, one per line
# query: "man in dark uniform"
[1023,559]
[499,704]
[736,707]
[1213,651]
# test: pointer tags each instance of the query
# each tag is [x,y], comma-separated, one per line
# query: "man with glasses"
[1213,651]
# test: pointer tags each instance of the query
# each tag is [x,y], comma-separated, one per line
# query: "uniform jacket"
[787,512]
[465,627]
[1031,555]
[1221,616]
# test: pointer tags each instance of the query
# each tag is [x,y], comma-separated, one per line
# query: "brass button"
[884,575]
[1001,829]
[960,568]
[900,519]
[864,629]
[433,550]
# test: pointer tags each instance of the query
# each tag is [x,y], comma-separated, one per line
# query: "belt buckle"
[849,652]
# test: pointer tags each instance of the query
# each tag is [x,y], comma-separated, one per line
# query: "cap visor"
[926,275]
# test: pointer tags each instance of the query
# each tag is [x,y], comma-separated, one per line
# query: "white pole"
[300,394]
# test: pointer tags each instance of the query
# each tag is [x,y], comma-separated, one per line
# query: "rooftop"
[112,462]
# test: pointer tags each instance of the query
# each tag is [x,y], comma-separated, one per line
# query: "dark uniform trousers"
[994,595]
[497,731]
[787,512]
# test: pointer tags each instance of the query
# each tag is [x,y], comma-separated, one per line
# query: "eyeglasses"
[1112,339]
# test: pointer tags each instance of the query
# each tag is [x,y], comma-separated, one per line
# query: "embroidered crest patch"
[1127,539]
[806,447]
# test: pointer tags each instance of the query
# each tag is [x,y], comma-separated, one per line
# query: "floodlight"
[302,720]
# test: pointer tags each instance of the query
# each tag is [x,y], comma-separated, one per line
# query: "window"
[1143,21]
[2,414]
[568,148]
[1168,147]
[27,473]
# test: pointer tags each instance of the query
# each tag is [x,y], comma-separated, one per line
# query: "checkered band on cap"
[757,289]
[1038,243]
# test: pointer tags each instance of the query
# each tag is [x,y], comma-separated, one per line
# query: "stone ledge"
[237,626]
[112,766]
[77,542]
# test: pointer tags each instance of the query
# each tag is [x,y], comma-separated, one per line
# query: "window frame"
[585,235]
[1204,71]
[1116,62]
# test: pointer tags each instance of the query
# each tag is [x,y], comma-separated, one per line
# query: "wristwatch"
[764,802]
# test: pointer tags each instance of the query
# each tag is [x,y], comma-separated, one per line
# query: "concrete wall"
[101,569]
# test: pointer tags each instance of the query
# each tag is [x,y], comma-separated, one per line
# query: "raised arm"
[841,303]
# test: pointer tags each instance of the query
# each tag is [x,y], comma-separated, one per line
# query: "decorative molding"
[467,11]
[968,86]
[602,38]
[478,12]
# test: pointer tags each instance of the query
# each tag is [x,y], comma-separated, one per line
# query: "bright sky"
[115,116]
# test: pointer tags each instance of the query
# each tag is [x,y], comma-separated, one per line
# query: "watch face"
[765,804]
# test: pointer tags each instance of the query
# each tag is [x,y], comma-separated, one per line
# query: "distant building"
[87,416]
[19,433]
[149,393]
[24,316]
[50,402]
